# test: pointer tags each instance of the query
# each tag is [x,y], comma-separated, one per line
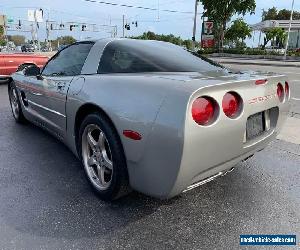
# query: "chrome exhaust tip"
[200,183]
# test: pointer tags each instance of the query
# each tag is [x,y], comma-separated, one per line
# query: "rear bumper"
[204,158]
[189,182]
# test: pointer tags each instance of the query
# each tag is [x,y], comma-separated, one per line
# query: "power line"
[138,7]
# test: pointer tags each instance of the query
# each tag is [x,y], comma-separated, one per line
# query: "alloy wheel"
[97,157]
[14,102]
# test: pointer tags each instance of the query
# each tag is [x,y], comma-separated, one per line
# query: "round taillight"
[203,110]
[287,89]
[232,104]
[280,92]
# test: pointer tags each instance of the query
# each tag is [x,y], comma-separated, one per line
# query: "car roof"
[108,40]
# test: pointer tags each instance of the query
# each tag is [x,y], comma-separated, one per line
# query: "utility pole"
[195,25]
[36,30]
[5,31]
[48,31]
[290,26]
[158,10]
[115,31]
[262,18]
[32,34]
[123,26]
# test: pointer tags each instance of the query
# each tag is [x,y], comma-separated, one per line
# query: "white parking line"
[296,99]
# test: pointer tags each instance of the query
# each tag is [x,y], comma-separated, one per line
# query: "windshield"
[134,56]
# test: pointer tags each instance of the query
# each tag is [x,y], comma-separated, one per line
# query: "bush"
[293,53]
[246,51]
[207,51]
[2,42]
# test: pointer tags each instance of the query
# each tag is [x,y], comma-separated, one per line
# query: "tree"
[238,32]
[277,36]
[17,39]
[221,12]
[166,38]
[188,44]
[2,40]
[270,14]
[284,14]
[65,40]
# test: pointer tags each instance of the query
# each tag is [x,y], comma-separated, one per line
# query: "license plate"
[255,125]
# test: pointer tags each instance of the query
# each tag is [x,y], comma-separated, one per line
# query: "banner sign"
[208,40]
[35,15]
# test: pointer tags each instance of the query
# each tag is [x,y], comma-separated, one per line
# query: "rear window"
[134,56]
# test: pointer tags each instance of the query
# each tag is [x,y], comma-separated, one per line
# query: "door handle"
[60,85]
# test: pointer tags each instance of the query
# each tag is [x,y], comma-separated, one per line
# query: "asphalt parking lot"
[46,203]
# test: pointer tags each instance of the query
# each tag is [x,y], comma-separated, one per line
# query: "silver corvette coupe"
[149,115]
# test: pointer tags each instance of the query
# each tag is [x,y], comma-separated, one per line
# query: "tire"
[103,158]
[15,104]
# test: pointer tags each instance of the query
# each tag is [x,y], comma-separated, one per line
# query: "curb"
[257,57]
[259,63]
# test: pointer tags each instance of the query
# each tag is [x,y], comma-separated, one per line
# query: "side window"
[68,62]
[117,59]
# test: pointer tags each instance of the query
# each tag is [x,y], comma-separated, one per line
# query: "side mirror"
[32,70]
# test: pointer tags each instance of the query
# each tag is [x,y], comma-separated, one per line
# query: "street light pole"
[195,25]
[290,26]
[123,26]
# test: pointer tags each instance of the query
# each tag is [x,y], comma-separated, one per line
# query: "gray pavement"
[46,203]
[258,62]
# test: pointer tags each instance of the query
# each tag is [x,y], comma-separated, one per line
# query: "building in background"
[294,41]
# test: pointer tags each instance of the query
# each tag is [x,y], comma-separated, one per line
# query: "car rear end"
[227,123]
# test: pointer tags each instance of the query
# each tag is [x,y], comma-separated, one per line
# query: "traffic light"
[135,23]
[61,26]
[127,26]
[51,26]
[20,24]
[73,26]
[83,27]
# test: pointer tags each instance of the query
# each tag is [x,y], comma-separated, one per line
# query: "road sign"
[39,16]
[207,38]
[208,28]
[208,41]
[35,16]
[10,20]
[31,16]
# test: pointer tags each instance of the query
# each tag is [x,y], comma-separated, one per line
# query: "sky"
[162,22]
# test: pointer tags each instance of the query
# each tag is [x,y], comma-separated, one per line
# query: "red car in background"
[10,63]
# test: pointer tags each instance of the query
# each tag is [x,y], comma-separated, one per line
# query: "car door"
[49,94]
[2,66]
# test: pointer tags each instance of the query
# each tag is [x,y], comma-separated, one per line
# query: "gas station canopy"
[269,24]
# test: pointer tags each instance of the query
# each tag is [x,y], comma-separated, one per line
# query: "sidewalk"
[251,61]
[290,131]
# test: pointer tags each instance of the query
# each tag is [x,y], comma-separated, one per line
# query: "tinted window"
[132,56]
[68,62]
